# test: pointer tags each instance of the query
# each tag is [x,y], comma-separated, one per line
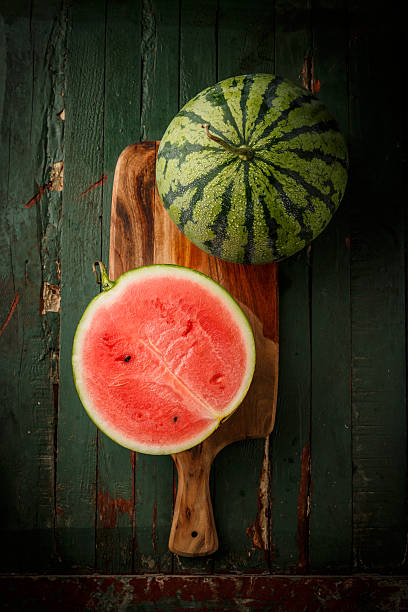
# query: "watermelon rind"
[280,188]
[113,293]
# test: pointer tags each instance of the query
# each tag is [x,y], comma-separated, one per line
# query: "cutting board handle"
[193,531]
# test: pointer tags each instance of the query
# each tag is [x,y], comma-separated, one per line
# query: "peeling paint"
[58,264]
[109,507]
[61,115]
[308,80]
[53,375]
[101,181]
[316,86]
[10,312]
[57,177]
[303,510]
[148,562]
[50,298]
[259,532]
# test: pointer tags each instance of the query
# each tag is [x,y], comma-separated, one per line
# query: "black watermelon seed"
[127,358]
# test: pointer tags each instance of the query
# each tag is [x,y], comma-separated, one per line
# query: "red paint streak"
[154,528]
[259,532]
[308,79]
[347,242]
[316,86]
[38,195]
[303,507]
[59,511]
[256,532]
[250,531]
[10,313]
[101,181]
[108,508]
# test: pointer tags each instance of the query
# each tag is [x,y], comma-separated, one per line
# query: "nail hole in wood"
[194,534]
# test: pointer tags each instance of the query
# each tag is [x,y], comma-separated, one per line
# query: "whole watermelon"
[252,169]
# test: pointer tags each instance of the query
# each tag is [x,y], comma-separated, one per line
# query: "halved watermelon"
[161,357]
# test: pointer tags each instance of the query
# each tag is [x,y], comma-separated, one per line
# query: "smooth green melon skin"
[268,207]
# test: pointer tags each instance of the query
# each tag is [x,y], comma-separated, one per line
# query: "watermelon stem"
[243,152]
[104,280]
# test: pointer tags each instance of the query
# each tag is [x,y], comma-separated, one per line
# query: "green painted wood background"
[71,500]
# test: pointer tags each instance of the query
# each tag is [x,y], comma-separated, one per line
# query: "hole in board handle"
[194,534]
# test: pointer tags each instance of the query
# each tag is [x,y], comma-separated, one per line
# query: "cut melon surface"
[161,357]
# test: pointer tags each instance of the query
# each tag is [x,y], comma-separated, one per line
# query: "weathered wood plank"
[80,247]
[115,528]
[19,335]
[246,41]
[159,103]
[228,593]
[291,478]
[331,467]
[160,66]
[31,139]
[197,47]
[377,290]
[242,470]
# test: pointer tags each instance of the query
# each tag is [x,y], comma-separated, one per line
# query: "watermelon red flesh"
[162,363]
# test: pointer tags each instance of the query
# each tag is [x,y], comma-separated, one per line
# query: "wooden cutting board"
[142,233]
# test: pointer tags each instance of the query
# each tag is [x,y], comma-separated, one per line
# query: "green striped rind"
[267,208]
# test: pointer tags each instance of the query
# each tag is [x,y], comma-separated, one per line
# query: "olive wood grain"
[142,233]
